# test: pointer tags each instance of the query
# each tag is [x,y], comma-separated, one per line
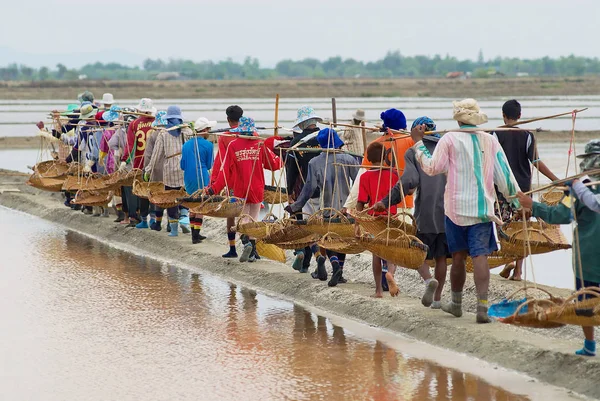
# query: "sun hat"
[86,96]
[160,119]
[146,106]
[111,114]
[394,119]
[246,126]
[203,123]
[591,148]
[328,139]
[174,112]
[87,111]
[467,111]
[359,115]
[305,113]
[70,108]
[108,98]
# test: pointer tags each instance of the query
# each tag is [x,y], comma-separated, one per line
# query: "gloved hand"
[122,167]
[288,209]
[146,177]
[88,166]
[209,191]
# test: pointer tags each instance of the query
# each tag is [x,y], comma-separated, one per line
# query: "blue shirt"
[196,160]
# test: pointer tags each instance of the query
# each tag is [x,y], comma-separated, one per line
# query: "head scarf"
[172,122]
[428,123]
[394,119]
[329,139]
[305,124]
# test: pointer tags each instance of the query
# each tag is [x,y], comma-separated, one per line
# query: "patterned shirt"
[473,162]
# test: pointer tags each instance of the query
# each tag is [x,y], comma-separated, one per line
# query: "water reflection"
[84,321]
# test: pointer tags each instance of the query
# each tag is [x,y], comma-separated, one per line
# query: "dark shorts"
[586,283]
[477,239]
[437,243]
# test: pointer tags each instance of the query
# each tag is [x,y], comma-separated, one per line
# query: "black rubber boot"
[337,274]
[120,216]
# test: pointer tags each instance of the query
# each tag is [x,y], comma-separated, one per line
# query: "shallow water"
[83,321]
[17,118]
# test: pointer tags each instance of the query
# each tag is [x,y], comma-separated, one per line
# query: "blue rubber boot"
[589,348]
[184,221]
[174,228]
[142,224]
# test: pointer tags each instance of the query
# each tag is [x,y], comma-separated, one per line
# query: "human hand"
[146,177]
[525,200]
[344,211]
[122,167]
[379,207]
[40,125]
[418,132]
[288,209]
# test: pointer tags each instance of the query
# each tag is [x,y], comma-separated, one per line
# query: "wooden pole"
[559,182]
[542,118]
[364,135]
[275,131]
[333,111]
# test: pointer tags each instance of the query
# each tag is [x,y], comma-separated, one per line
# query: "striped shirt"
[168,150]
[473,162]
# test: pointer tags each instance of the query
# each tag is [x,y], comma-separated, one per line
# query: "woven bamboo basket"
[580,313]
[44,183]
[275,195]
[288,230]
[194,200]
[74,168]
[336,222]
[123,178]
[219,206]
[91,182]
[300,243]
[141,188]
[270,251]
[552,197]
[52,168]
[376,224]
[530,317]
[334,242]
[255,229]
[166,198]
[397,247]
[495,259]
[543,238]
[92,198]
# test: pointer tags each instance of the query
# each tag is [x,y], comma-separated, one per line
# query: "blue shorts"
[477,239]
[586,283]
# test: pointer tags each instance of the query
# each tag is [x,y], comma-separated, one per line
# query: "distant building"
[454,74]
[166,76]
[522,74]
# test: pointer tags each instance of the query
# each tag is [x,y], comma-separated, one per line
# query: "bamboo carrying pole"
[542,118]
[364,135]
[558,182]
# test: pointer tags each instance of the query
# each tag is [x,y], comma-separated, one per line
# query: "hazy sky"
[271,30]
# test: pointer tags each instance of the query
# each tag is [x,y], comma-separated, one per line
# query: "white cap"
[203,123]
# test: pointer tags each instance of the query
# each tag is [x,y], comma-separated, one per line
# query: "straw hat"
[203,123]
[359,115]
[467,111]
[108,98]
[87,111]
[146,106]
[305,113]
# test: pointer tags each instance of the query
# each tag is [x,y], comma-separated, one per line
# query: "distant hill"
[71,60]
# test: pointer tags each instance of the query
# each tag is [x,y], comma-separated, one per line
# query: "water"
[82,321]
[17,117]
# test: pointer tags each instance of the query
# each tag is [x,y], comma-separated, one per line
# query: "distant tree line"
[393,65]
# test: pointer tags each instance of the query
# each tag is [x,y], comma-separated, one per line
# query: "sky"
[129,31]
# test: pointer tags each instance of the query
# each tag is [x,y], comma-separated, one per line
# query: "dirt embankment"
[545,355]
[363,87]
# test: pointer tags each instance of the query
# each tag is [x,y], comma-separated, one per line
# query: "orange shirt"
[395,158]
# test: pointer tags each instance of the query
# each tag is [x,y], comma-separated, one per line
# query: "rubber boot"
[156,225]
[142,224]
[184,221]
[174,229]
[196,236]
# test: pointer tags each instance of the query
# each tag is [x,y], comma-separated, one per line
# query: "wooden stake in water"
[333,111]
[275,132]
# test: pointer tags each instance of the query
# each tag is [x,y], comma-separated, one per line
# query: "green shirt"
[589,234]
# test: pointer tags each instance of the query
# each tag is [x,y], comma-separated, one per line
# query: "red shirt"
[242,169]
[222,144]
[137,133]
[374,186]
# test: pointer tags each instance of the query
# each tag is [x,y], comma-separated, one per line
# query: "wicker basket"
[74,168]
[92,182]
[220,206]
[92,198]
[580,313]
[275,195]
[270,251]
[300,243]
[164,198]
[495,259]
[376,224]
[255,229]
[543,238]
[535,306]
[141,189]
[397,247]
[44,183]
[552,197]
[52,169]
[123,178]
[195,199]
[286,231]
[334,242]
[336,222]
